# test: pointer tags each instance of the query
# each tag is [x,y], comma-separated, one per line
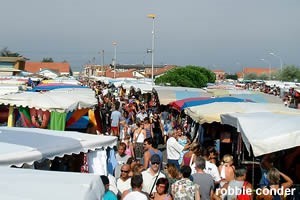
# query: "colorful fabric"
[75,116]
[85,167]
[25,117]
[39,118]
[58,121]
[182,141]
[10,120]
[98,119]
[112,161]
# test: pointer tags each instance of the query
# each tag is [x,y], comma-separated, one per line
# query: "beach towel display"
[58,121]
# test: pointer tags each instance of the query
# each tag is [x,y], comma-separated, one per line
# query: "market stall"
[266,132]
[16,184]
[27,145]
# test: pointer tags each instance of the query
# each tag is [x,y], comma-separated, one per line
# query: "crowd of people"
[290,97]
[157,156]
[198,177]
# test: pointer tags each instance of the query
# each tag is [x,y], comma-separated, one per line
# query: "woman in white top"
[226,169]
[138,140]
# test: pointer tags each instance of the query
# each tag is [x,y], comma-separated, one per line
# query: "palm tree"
[5,52]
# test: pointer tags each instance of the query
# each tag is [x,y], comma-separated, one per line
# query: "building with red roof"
[157,71]
[220,74]
[126,71]
[255,70]
[62,68]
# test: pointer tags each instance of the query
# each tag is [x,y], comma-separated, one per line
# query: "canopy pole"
[10,120]
[253,171]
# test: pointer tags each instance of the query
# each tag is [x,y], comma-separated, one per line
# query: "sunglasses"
[124,171]
[155,163]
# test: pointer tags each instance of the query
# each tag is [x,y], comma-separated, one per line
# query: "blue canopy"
[47,87]
[213,100]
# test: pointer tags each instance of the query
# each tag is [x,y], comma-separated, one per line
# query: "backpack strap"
[191,160]
[137,137]
[154,183]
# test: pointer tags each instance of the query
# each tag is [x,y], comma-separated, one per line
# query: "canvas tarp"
[167,95]
[16,184]
[27,145]
[209,113]
[266,132]
[58,100]
[256,96]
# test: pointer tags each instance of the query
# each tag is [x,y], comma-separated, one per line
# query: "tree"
[231,76]
[209,74]
[276,75]
[290,73]
[5,52]
[189,76]
[250,76]
[47,59]
[263,77]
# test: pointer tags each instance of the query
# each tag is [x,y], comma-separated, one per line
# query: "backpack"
[243,195]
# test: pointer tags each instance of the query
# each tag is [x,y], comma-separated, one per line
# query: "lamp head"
[151,16]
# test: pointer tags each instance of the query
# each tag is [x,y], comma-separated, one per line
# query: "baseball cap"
[155,158]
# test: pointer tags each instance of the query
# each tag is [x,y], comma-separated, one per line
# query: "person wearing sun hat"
[152,174]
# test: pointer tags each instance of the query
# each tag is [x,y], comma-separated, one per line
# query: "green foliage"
[209,74]
[231,76]
[250,76]
[47,59]
[290,73]
[189,76]
[7,53]
[263,77]
[276,75]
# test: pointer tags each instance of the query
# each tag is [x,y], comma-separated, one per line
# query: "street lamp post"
[276,55]
[242,68]
[152,16]
[269,63]
[115,58]
[102,62]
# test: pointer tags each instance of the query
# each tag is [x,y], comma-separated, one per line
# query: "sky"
[218,34]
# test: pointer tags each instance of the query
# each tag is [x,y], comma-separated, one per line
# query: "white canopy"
[6,89]
[145,87]
[26,145]
[212,112]
[59,100]
[266,132]
[16,184]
